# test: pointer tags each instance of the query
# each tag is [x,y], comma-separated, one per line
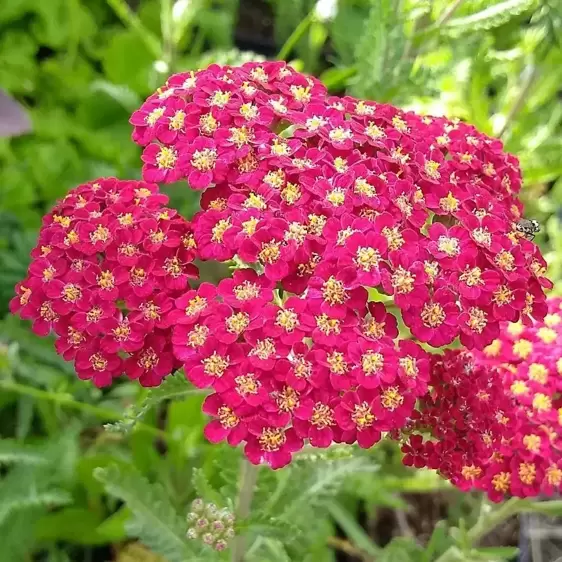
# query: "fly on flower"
[529,228]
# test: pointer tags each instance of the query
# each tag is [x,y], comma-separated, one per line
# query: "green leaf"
[204,488]
[124,96]
[113,529]
[128,61]
[495,553]
[13,452]
[552,508]
[74,525]
[173,387]
[352,529]
[438,543]
[401,550]
[491,17]
[155,522]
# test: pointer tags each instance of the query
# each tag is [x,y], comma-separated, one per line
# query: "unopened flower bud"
[208,538]
[197,505]
[191,533]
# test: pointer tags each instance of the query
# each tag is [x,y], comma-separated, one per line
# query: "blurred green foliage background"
[79,68]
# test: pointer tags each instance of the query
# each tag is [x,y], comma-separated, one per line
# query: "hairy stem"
[520,99]
[68,401]
[130,19]
[448,13]
[248,480]
[295,37]
[485,523]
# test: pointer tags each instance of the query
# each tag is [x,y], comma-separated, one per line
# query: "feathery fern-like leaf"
[12,452]
[491,17]
[155,522]
[174,386]
[25,487]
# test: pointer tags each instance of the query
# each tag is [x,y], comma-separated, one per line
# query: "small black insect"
[528,227]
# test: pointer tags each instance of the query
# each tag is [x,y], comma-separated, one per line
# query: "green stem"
[295,37]
[248,480]
[130,19]
[448,13]
[520,100]
[168,51]
[486,522]
[68,401]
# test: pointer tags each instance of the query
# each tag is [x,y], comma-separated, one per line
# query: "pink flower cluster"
[110,259]
[322,204]
[493,419]
[423,208]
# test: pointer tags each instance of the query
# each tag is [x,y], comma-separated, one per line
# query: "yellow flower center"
[106,280]
[333,291]
[362,416]
[337,363]
[449,246]
[264,349]
[322,416]
[527,472]
[215,365]
[501,482]
[148,359]
[522,348]
[204,160]
[246,291]
[402,281]
[166,158]
[287,319]
[477,319]
[272,439]
[227,418]
[367,258]
[247,384]
[432,169]
[98,362]
[219,229]
[409,366]
[449,204]
[391,398]
[198,336]
[270,252]
[372,363]
[432,315]
[71,292]
[195,305]
[327,325]
[538,372]
[237,323]
[177,120]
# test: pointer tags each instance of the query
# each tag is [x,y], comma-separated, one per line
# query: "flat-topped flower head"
[323,224]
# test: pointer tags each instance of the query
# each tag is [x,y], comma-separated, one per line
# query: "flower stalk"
[248,480]
[487,522]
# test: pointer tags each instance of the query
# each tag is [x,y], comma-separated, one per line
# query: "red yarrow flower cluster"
[422,208]
[493,419]
[109,261]
[323,205]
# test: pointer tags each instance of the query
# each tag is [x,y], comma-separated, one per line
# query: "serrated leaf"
[204,489]
[553,507]
[12,452]
[155,522]
[489,18]
[173,387]
[495,553]
[352,529]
